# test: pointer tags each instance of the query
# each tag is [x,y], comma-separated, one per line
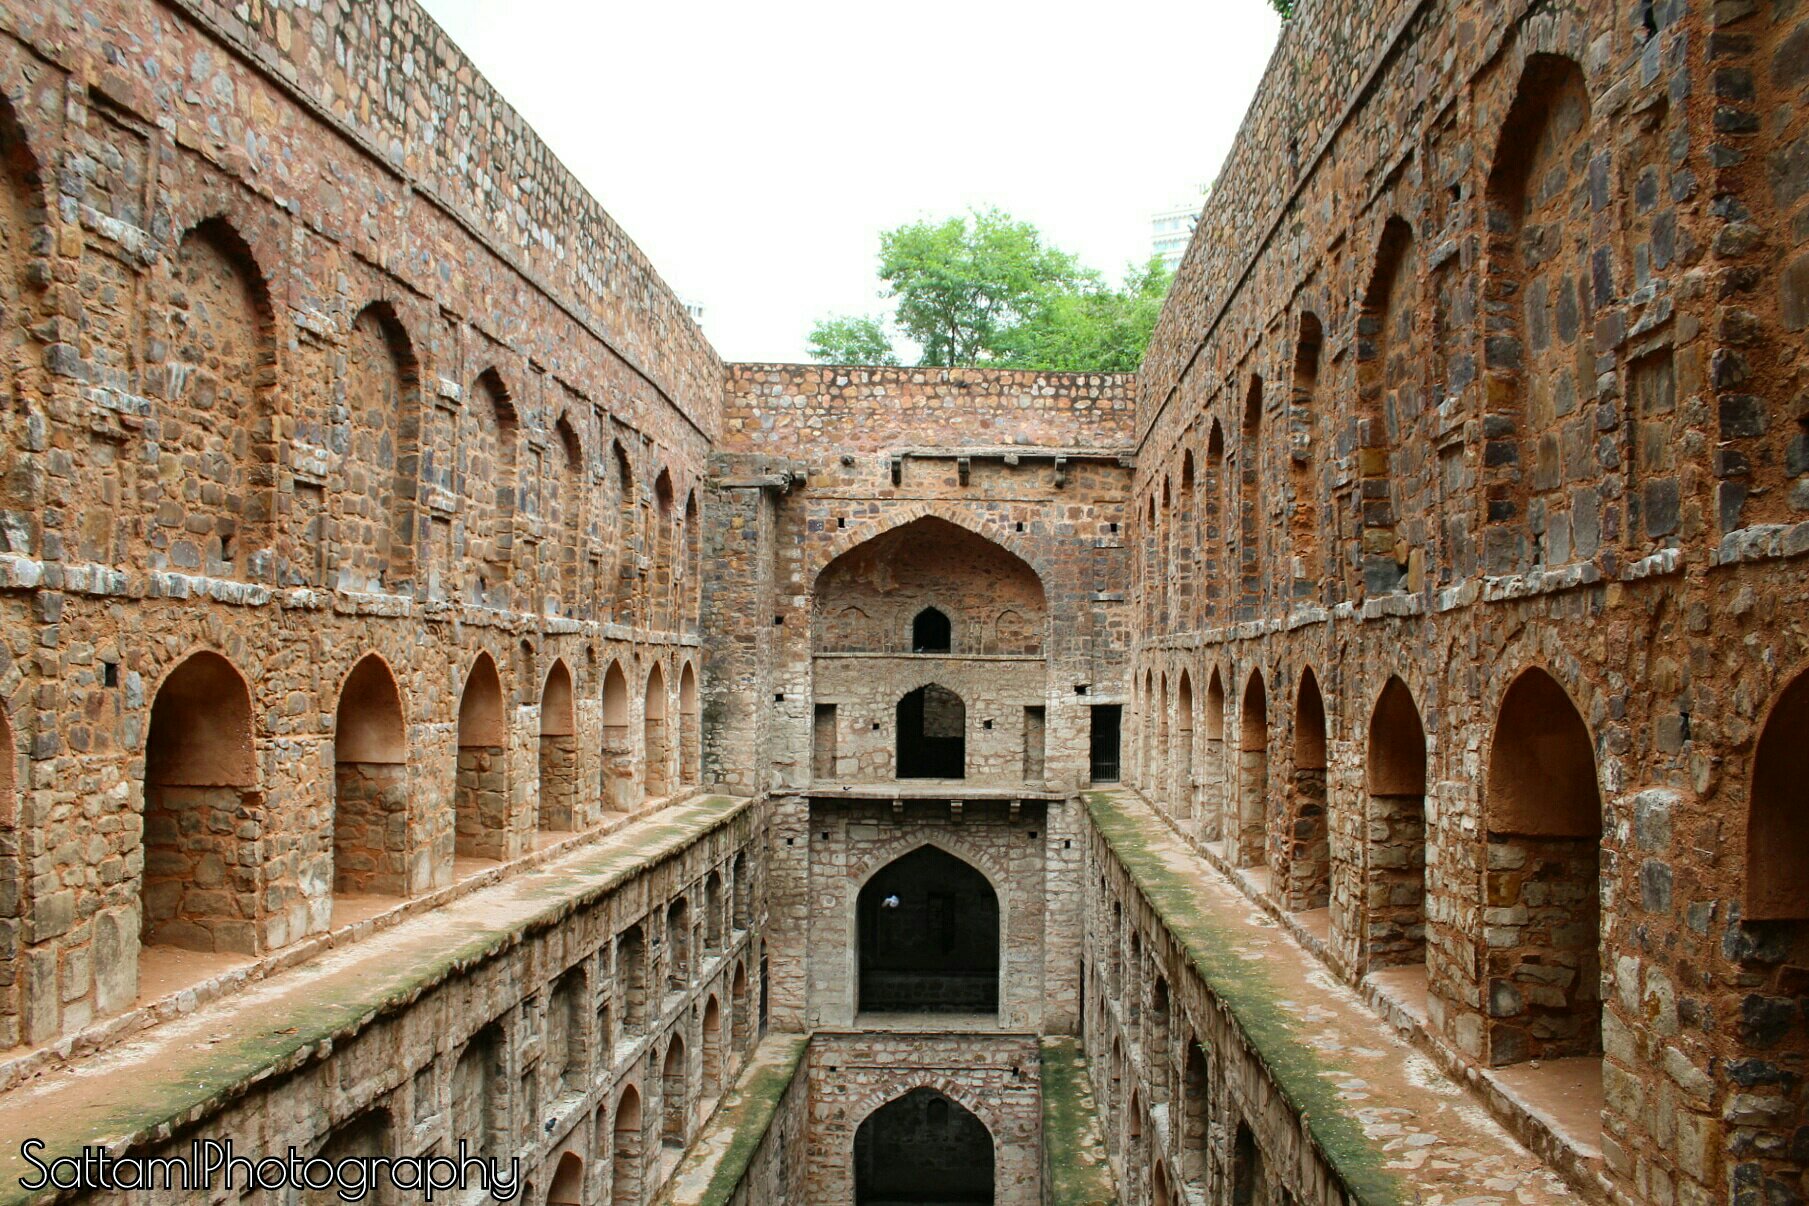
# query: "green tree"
[1096,330]
[961,284]
[851,340]
[985,289]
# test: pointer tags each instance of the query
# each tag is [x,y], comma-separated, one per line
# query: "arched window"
[893,1144]
[932,734]
[370,784]
[1777,828]
[929,937]
[931,632]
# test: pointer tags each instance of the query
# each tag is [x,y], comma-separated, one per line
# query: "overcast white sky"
[755,151]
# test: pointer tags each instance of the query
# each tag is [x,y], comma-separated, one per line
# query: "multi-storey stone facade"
[444,702]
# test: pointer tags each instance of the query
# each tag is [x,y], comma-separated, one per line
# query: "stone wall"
[1480,377]
[316,353]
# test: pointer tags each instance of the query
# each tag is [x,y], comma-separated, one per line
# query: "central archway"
[922,1149]
[929,937]
[932,734]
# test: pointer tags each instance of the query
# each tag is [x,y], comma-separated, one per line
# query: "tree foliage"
[844,339]
[986,289]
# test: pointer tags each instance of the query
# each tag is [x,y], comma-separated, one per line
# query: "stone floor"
[128,1091]
[1435,1137]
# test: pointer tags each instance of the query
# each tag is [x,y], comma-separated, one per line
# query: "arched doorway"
[922,1149]
[928,928]
[689,734]
[932,734]
[558,752]
[630,1153]
[199,780]
[658,755]
[1544,817]
[481,794]
[618,746]
[1394,856]
[370,784]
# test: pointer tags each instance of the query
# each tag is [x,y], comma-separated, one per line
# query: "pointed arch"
[739,1029]
[627,575]
[1543,813]
[655,743]
[567,1188]
[1777,837]
[710,1088]
[211,363]
[931,726]
[675,1095]
[1184,747]
[24,215]
[889,1144]
[1538,273]
[1305,840]
[566,517]
[1303,435]
[928,936]
[370,783]
[1387,400]
[375,507]
[931,631]
[481,789]
[1253,773]
[1252,512]
[1186,550]
[1216,485]
[693,565]
[618,742]
[559,804]
[490,486]
[665,606]
[1394,851]
[1216,822]
[200,781]
[690,770]
[629,1157]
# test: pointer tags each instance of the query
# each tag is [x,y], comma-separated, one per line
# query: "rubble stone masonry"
[442,700]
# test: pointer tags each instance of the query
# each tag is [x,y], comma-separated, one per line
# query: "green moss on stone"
[1243,987]
[1074,1159]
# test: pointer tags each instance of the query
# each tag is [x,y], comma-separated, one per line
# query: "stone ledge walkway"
[1385,1117]
[170,1075]
[719,1158]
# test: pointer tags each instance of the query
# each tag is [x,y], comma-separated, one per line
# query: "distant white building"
[695,310]
[1172,229]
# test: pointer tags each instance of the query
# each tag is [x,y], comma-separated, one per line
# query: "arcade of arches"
[1357,757]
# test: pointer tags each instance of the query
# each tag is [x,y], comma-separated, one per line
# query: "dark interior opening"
[1104,742]
[932,734]
[929,938]
[931,632]
[922,1149]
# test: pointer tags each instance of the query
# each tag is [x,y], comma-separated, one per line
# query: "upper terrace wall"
[1470,443]
[301,380]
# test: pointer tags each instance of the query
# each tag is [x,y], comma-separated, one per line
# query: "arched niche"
[1394,854]
[927,563]
[1305,837]
[656,742]
[923,1147]
[200,886]
[481,790]
[690,738]
[628,1141]
[618,741]
[370,783]
[927,928]
[558,778]
[1253,774]
[1777,827]
[1543,813]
